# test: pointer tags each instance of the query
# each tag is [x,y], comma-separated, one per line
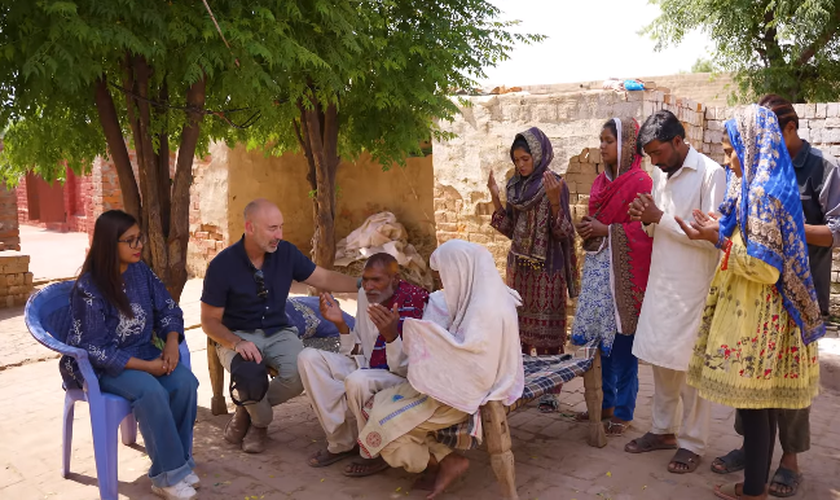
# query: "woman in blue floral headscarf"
[756,350]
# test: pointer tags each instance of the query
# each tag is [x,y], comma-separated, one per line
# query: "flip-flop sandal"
[684,457]
[727,491]
[731,462]
[549,405]
[788,478]
[614,429]
[370,467]
[324,458]
[648,442]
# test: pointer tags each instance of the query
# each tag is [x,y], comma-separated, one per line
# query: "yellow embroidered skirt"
[750,353]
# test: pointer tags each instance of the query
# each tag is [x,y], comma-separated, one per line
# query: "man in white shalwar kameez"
[370,359]
[681,271]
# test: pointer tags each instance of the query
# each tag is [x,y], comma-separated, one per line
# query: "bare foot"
[451,468]
[739,493]
[426,480]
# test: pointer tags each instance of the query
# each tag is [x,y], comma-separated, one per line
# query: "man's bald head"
[263,224]
[258,207]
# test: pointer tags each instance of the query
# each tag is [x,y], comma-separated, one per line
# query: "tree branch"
[821,41]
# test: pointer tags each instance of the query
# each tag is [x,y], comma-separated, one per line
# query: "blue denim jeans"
[165,409]
[620,374]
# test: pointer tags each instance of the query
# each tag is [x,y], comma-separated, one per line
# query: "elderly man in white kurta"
[680,274]
[370,360]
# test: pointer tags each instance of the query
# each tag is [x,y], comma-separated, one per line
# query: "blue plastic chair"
[48,319]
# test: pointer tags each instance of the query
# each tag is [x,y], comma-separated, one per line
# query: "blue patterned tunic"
[595,315]
[110,337]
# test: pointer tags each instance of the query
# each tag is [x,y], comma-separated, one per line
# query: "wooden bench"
[497,431]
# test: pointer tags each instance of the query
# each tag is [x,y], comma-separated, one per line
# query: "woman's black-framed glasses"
[135,241]
[259,277]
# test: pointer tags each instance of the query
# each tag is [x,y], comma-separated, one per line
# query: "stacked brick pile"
[15,279]
[9,233]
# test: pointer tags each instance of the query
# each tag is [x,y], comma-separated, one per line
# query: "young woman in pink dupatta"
[616,271]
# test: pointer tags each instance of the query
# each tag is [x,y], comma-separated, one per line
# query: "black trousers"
[759,439]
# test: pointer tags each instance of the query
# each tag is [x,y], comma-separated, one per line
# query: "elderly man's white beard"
[377,297]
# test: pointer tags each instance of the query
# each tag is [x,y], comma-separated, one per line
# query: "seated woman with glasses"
[118,306]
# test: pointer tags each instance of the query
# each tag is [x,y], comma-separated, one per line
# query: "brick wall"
[572,122]
[208,233]
[76,192]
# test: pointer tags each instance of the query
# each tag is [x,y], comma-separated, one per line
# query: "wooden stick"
[594,395]
[218,406]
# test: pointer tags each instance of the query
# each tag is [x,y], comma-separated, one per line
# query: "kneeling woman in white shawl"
[462,354]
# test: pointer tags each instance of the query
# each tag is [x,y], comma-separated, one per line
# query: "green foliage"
[791,47]
[390,65]
[702,65]
[52,53]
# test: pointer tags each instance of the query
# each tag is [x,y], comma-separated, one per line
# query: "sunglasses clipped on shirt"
[134,241]
[259,277]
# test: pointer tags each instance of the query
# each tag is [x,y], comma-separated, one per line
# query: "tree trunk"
[147,167]
[179,233]
[116,147]
[162,162]
[321,132]
[164,212]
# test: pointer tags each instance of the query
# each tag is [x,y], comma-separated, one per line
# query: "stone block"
[830,122]
[14,264]
[828,136]
[443,236]
[833,109]
[821,110]
[481,239]
[713,136]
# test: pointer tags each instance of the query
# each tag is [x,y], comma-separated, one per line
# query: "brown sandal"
[323,457]
[648,442]
[684,457]
[367,467]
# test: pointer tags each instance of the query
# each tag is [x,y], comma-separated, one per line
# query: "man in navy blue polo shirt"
[243,309]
